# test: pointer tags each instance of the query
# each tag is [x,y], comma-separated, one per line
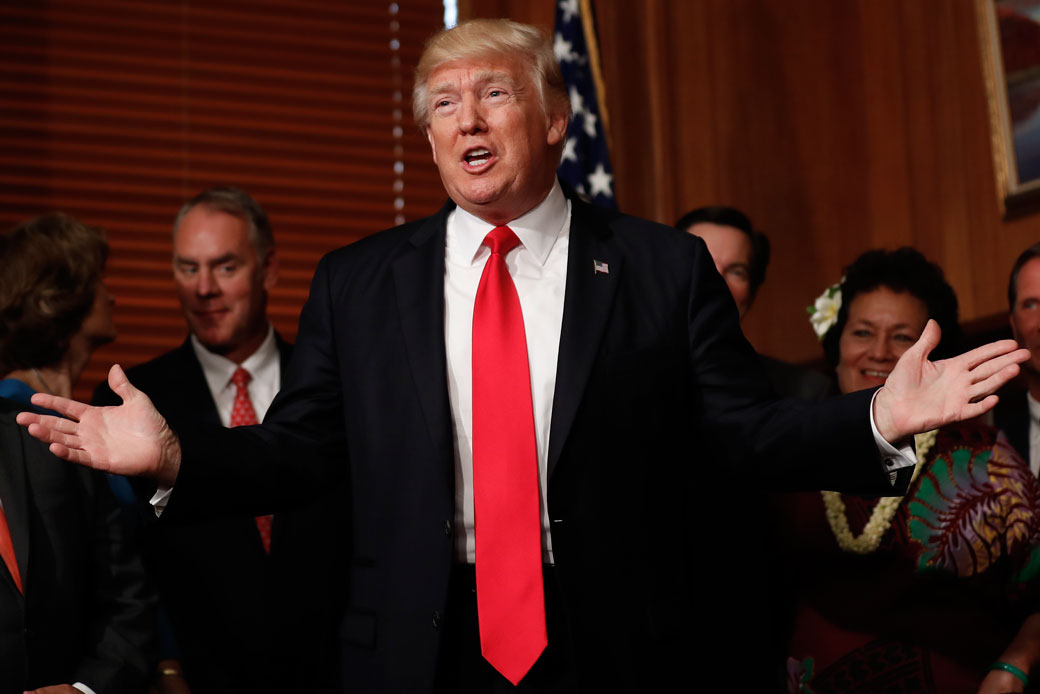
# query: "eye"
[905,337]
[227,268]
[187,269]
[861,333]
[738,272]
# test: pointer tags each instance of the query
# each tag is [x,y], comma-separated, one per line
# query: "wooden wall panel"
[117,111]
[838,125]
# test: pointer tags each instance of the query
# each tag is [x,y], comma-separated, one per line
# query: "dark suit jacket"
[244,620]
[1011,415]
[653,369]
[85,615]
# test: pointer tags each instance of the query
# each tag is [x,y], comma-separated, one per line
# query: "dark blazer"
[1011,415]
[244,621]
[653,371]
[85,615]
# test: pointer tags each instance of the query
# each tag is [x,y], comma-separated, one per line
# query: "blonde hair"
[478,39]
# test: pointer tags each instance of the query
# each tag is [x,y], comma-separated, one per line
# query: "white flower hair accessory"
[823,314]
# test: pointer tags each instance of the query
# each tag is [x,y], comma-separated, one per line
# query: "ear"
[557,129]
[270,270]
[429,138]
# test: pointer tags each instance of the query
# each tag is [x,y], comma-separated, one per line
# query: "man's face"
[730,248]
[495,147]
[221,283]
[1025,316]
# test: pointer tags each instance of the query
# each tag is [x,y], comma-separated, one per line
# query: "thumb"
[120,384]
[929,339]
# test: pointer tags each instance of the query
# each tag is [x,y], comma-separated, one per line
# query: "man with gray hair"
[515,390]
[248,599]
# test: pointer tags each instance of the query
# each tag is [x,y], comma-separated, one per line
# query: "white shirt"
[538,267]
[1034,434]
[263,365]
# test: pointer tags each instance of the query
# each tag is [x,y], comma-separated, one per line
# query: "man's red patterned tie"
[507,520]
[243,414]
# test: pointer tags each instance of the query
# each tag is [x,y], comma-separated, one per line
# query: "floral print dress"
[936,604]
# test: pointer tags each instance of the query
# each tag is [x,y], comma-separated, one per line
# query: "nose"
[471,116]
[880,349]
[206,286]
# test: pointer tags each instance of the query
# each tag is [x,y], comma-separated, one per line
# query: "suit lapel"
[419,285]
[15,495]
[197,400]
[593,271]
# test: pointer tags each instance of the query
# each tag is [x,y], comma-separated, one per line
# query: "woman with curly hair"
[54,307]
[929,592]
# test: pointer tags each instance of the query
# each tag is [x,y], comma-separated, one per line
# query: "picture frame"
[1009,39]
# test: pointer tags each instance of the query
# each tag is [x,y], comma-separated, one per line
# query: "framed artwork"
[1009,32]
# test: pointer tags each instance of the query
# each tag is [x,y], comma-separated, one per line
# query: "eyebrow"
[227,257]
[480,79]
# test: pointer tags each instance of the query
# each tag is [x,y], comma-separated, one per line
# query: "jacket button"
[447,527]
[436,619]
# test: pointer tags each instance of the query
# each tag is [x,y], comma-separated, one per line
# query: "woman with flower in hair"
[928,592]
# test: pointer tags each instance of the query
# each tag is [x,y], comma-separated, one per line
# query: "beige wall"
[836,125]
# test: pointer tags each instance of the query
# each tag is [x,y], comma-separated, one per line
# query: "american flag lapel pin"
[600,266]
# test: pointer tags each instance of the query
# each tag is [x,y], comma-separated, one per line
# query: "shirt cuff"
[162,494]
[83,688]
[894,456]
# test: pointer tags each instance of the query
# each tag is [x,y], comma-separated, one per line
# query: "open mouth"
[870,373]
[477,157]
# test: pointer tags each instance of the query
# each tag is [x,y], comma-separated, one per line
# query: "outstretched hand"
[131,439]
[921,395]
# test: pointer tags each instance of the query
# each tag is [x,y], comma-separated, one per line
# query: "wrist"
[169,459]
[883,416]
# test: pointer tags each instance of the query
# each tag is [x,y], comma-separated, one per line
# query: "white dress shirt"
[538,267]
[263,365]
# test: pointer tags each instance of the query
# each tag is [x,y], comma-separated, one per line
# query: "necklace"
[50,391]
[884,511]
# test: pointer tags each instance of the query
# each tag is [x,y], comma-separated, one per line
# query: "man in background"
[1018,412]
[250,599]
[741,256]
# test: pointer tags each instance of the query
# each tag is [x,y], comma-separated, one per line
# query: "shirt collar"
[219,369]
[1034,407]
[537,229]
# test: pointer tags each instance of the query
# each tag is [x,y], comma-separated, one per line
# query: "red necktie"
[508,527]
[7,551]
[243,414]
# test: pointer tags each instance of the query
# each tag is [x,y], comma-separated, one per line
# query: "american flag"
[586,162]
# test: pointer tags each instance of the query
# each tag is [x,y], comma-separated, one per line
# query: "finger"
[73,455]
[46,422]
[993,383]
[929,339]
[977,356]
[51,435]
[120,384]
[69,408]
[995,365]
[976,409]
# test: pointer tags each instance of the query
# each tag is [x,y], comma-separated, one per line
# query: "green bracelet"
[1023,677]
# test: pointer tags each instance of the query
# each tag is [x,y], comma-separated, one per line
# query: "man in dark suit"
[253,602]
[1018,412]
[404,381]
[74,612]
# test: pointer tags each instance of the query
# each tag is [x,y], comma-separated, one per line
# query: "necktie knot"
[241,378]
[501,240]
